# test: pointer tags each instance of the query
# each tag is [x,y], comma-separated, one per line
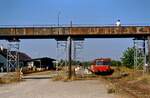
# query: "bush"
[116,63]
[10,77]
[128,58]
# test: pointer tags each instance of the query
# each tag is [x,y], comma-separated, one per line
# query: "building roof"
[22,56]
[43,58]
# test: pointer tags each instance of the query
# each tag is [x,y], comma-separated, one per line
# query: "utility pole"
[70,57]
[58,16]
[148,65]
[70,53]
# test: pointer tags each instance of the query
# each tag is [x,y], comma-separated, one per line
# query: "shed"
[43,62]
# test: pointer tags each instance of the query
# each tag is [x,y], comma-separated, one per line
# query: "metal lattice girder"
[12,55]
[139,53]
[62,50]
[78,47]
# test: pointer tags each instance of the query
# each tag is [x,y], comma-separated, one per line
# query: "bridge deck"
[75,31]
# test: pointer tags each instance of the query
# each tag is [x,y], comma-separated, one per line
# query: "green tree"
[86,63]
[116,63]
[128,57]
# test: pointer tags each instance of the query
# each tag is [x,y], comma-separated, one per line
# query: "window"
[102,63]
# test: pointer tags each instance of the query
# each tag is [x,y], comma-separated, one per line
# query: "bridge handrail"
[68,25]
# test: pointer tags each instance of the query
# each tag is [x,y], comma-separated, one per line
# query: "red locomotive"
[102,66]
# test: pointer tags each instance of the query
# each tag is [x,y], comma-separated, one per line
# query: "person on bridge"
[1,48]
[118,23]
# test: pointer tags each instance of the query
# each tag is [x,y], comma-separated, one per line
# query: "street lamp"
[58,16]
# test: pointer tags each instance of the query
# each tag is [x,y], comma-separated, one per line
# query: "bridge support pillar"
[13,55]
[62,52]
[78,46]
[68,49]
[139,54]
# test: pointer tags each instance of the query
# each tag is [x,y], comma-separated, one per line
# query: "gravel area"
[41,86]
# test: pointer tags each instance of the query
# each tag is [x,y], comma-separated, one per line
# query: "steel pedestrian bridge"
[35,32]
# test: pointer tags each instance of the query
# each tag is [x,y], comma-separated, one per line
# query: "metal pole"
[144,46]
[7,58]
[57,51]
[70,53]
[58,16]
[70,57]
[148,44]
[40,65]
[17,53]
[74,51]
[135,54]
[66,54]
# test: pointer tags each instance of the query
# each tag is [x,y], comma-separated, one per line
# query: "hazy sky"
[31,12]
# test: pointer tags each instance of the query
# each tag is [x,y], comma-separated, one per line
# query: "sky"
[44,12]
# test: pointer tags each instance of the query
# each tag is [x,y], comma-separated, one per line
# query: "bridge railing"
[68,25]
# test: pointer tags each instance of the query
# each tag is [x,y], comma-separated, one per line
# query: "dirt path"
[41,86]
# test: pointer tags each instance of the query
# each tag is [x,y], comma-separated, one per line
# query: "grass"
[10,78]
[130,78]
[63,76]
[145,79]
[73,78]
[111,88]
